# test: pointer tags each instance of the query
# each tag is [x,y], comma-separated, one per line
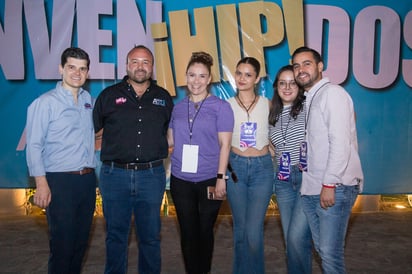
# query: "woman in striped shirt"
[286,132]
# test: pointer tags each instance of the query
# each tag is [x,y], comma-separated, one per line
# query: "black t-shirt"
[134,129]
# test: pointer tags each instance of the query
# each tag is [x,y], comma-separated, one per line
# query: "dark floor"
[377,243]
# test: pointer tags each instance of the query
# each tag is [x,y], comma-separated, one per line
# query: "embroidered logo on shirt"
[159,102]
[120,101]
[87,106]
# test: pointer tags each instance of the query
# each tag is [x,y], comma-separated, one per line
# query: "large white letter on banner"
[11,41]
[90,37]
[407,34]
[47,50]
[371,51]
[337,51]
[131,30]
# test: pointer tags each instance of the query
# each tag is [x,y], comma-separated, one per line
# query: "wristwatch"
[222,176]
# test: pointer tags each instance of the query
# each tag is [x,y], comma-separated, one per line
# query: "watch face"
[222,176]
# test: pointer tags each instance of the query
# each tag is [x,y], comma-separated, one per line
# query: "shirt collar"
[312,90]
[125,78]
[60,88]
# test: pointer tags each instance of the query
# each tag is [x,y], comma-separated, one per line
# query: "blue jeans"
[69,218]
[295,226]
[329,226]
[127,192]
[249,198]
[197,216]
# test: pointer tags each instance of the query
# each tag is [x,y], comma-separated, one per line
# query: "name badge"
[303,156]
[284,167]
[190,157]
[248,134]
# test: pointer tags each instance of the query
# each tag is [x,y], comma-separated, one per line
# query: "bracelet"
[329,185]
[222,176]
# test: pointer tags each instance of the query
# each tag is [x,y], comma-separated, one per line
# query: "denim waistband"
[234,155]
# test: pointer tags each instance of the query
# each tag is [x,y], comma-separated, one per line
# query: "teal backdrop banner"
[367,47]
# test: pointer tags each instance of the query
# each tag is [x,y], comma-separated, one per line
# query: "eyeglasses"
[287,85]
[232,174]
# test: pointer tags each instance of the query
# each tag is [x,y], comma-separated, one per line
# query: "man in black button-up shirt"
[132,118]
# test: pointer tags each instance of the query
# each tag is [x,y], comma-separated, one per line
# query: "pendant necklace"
[246,108]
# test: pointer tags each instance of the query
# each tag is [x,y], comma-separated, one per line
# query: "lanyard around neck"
[284,134]
[310,105]
[246,108]
[190,121]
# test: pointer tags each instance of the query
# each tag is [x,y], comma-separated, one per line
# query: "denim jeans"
[295,226]
[197,216]
[126,192]
[249,198]
[69,218]
[329,226]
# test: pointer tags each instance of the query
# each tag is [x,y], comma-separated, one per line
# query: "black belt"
[84,171]
[135,166]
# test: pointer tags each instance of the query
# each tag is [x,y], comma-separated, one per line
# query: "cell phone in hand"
[211,194]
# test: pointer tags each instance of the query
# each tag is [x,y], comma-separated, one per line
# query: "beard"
[139,76]
[307,82]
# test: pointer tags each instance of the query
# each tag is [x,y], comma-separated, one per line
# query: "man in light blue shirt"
[61,158]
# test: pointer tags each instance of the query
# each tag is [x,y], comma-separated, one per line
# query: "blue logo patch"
[159,102]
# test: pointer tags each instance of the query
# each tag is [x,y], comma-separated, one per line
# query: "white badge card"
[190,157]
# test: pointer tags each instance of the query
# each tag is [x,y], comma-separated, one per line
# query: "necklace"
[244,107]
